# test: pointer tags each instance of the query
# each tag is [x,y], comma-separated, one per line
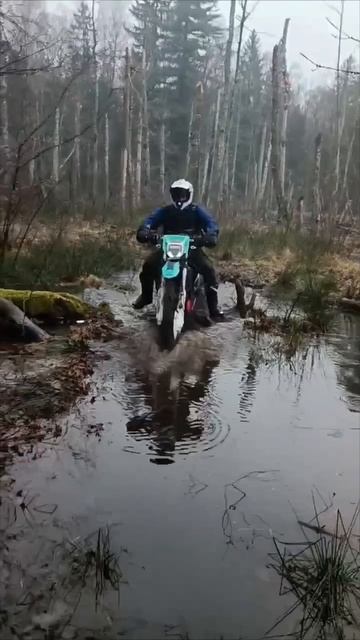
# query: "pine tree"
[192,28]
[80,37]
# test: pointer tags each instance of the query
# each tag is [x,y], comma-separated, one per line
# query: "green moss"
[48,304]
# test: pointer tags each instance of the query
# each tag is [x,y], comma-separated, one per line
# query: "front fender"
[171,269]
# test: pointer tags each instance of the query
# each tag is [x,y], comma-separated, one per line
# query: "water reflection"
[178,414]
[248,386]
[347,346]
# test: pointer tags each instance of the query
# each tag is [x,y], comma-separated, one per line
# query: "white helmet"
[181,192]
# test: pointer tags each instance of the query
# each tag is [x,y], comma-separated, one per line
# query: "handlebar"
[195,241]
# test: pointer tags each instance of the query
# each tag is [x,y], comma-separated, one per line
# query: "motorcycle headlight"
[175,250]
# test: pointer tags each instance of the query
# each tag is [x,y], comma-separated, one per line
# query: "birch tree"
[233,93]
[4,120]
[95,167]
[316,200]
[126,150]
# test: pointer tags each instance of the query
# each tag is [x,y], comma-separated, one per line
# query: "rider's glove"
[209,240]
[143,235]
[198,241]
[154,238]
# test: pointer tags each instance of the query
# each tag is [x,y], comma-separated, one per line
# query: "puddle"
[195,461]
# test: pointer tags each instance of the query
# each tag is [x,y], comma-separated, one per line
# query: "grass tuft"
[47,264]
[96,563]
[324,577]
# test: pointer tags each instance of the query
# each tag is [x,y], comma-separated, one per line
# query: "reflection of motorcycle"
[169,422]
[179,288]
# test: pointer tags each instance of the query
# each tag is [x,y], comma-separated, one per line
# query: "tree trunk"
[146,133]
[139,143]
[194,138]
[162,158]
[95,166]
[285,95]
[261,158]
[349,155]
[224,111]
[16,324]
[95,72]
[235,154]
[190,135]
[214,137]
[4,119]
[77,161]
[299,214]
[262,186]
[316,203]
[125,152]
[106,160]
[206,153]
[275,146]
[338,106]
[56,150]
[130,174]
[231,109]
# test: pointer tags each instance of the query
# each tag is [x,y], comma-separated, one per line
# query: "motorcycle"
[178,290]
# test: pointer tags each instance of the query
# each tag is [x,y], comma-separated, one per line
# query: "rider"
[180,217]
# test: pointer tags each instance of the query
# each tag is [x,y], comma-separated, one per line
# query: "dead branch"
[323,66]
[12,318]
[344,35]
[241,305]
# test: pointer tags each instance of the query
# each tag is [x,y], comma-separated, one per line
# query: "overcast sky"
[309,30]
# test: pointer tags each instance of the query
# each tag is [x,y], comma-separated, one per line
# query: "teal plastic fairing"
[171,269]
[172,254]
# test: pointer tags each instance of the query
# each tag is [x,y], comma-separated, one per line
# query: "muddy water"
[195,461]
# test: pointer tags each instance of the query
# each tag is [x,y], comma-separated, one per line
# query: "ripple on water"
[181,412]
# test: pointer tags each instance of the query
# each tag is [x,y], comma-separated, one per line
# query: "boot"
[212,300]
[141,302]
[145,297]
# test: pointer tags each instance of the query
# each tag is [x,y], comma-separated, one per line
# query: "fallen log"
[350,304]
[16,325]
[49,305]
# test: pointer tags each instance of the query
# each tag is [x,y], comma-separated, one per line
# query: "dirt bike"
[178,289]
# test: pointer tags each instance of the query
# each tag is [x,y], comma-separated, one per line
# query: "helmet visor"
[179,195]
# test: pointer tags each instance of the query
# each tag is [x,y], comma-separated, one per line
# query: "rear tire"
[166,328]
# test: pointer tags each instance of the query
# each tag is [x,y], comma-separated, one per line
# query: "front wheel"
[172,319]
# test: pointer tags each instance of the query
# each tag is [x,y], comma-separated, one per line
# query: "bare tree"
[285,97]
[225,104]
[338,101]
[209,179]
[146,133]
[126,150]
[316,201]
[77,161]
[193,168]
[4,120]
[275,135]
[95,166]
[106,159]
[162,157]
[56,149]
[233,94]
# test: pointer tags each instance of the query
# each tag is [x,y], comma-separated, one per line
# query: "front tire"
[166,328]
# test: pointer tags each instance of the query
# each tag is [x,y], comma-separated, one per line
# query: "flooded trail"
[194,460]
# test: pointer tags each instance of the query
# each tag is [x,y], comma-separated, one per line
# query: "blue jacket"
[193,220]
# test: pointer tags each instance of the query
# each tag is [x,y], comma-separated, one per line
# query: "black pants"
[197,260]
